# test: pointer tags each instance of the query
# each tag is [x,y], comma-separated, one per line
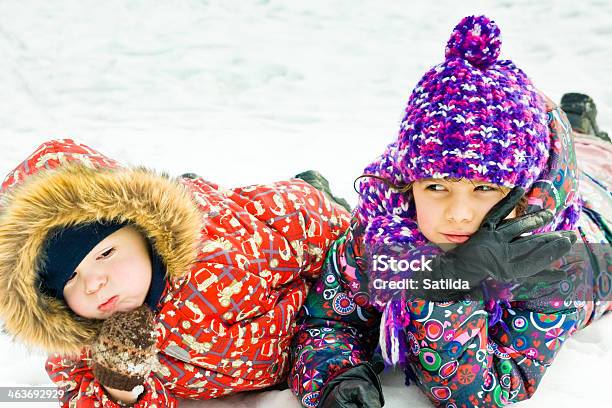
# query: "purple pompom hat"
[473,116]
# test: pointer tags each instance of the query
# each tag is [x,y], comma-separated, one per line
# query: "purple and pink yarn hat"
[472,116]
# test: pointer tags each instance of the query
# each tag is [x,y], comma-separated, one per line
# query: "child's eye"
[106,253]
[435,187]
[485,187]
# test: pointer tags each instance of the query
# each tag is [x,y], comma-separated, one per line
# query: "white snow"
[254,91]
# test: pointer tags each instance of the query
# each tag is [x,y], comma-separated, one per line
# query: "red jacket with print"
[239,262]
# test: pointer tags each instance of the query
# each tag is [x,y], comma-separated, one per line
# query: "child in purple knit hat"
[482,179]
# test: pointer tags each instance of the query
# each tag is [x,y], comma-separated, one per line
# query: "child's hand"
[358,387]
[124,352]
[497,249]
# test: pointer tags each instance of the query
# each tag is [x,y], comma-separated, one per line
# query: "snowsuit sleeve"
[74,377]
[337,328]
[302,214]
[459,360]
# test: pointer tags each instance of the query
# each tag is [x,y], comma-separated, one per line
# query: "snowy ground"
[249,92]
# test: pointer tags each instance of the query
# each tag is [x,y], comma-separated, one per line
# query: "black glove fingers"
[367,397]
[358,387]
[551,275]
[571,235]
[526,223]
[504,207]
[546,276]
[349,394]
[540,258]
[354,394]
[525,246]
[338,399]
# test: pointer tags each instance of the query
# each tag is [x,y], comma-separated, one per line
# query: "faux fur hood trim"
[70,195]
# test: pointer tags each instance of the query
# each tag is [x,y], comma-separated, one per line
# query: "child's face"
[449,212]
[114,276]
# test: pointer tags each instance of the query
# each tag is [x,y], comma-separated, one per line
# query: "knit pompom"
[475,39]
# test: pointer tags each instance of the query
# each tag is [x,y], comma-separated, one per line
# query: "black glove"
[358,387]
[497,251]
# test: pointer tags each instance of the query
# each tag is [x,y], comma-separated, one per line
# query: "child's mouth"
[457,238]
[109,305]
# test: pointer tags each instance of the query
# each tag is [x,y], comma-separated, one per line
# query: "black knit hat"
[65,249]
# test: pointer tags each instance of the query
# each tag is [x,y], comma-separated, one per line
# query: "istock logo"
[383,263]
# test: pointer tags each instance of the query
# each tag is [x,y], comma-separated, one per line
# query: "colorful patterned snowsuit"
[458,355]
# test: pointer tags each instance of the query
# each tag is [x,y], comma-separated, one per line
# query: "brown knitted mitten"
[124,352]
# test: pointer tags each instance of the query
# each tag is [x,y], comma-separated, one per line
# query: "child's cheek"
[76,306]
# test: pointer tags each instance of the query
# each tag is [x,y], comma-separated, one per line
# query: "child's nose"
[94,282]
[459,211]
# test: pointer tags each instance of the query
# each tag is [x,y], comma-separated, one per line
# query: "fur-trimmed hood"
[64,183]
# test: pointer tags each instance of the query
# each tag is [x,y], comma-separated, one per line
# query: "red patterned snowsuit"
[226,318]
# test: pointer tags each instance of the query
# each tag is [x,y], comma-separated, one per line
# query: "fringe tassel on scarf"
[393,341]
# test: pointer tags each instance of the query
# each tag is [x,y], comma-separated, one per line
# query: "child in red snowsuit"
[144,288]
